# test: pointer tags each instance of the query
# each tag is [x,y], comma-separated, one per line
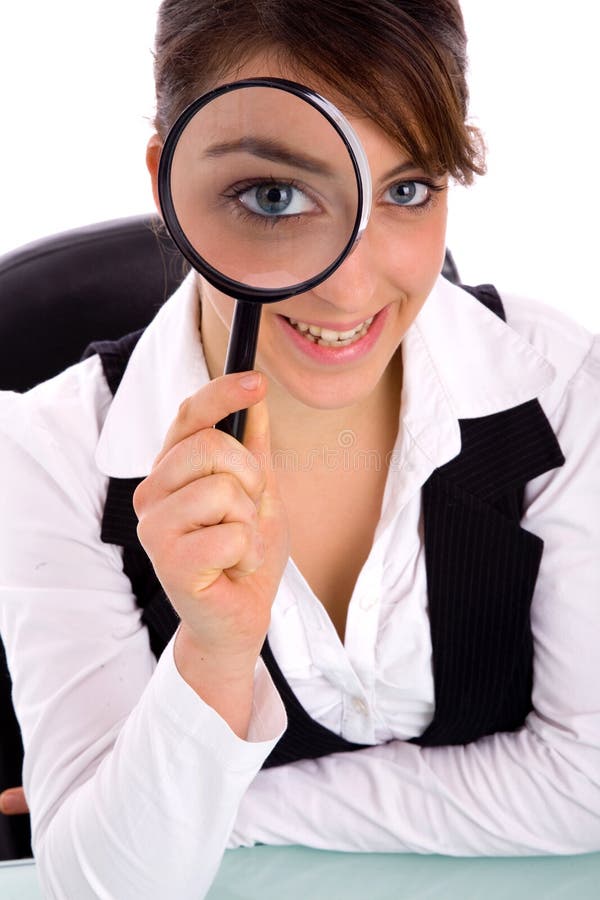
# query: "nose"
[354,284]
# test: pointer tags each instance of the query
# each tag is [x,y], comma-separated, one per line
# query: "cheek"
[414,254]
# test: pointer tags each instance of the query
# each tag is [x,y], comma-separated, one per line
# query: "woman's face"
[376,293]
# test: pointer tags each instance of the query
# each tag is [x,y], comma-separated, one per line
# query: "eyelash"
[233,193]
[433,187]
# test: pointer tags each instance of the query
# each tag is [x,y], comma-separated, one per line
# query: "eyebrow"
[401,170]
[264,148]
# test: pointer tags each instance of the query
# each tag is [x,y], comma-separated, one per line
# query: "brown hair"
[401,62]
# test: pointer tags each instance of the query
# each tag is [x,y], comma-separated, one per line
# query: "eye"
[274,198]
[409,193]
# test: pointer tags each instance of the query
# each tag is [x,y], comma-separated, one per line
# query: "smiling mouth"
[326,337]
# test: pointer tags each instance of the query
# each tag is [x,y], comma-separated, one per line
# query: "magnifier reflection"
[265,189]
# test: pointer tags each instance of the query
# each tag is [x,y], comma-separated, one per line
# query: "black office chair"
[56,296]
[62,292]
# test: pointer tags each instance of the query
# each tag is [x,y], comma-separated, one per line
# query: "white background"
[76,101]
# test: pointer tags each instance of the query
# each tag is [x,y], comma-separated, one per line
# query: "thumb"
[274,525]
[257,439]
[257,435]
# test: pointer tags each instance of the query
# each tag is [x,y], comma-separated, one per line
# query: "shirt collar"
[459,361]
[166,366]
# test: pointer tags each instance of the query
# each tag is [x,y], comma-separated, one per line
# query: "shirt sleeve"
[132,780]
[533,791]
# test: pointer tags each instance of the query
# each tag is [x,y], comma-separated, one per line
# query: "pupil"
[406,192]
[273,198]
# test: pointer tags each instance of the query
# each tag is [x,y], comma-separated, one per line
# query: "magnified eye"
[408,193]
[274,198]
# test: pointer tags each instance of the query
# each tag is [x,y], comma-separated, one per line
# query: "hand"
[213,524]
[13,802]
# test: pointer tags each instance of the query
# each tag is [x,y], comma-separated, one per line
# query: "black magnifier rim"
[228,286]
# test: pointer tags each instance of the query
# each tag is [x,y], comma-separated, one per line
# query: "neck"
[367,424]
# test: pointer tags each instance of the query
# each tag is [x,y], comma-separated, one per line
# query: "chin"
[328,392]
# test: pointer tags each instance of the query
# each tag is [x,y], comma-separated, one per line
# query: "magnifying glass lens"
[264,188]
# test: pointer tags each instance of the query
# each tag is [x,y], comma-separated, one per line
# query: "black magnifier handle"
[241,351]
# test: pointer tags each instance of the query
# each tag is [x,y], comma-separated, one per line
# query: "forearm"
[510,794]
[154,819]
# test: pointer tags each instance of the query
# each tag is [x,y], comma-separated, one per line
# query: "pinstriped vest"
[481,571]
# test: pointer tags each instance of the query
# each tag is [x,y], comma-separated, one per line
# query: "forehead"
[382,151]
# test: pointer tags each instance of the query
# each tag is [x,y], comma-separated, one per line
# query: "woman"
[429,679]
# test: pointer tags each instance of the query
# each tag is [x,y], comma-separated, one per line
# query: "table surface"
[297,873]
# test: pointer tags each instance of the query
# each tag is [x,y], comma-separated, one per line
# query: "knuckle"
[212,438]
[206,452]
[212,442]
[233,541]
[139,497]
[198,453]
[142,533]
[245,538]
[229,487]
[224,454]
[234,495]
[151,532]
[184,409]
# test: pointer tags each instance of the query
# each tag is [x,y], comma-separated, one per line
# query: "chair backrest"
[92,283]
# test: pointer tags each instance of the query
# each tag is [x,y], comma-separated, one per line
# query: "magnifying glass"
[265,189]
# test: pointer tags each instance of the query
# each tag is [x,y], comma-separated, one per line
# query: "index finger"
[210,404]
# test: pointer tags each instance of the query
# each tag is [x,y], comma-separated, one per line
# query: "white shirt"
[136,785]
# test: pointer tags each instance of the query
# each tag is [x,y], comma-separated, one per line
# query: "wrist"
[223,681]
[236,663]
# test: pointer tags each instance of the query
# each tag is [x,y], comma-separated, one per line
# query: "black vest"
[481,571]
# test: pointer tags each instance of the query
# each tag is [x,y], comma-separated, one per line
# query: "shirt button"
[360,706]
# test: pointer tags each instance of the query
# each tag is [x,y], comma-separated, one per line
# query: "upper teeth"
[327,334]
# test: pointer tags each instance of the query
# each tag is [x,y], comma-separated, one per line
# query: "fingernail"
[250,381]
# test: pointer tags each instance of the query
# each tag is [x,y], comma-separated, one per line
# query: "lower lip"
[332,356]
